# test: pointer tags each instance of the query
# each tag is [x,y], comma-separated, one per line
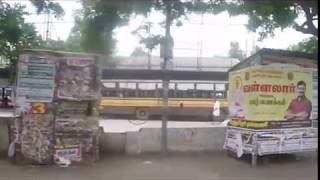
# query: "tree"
[72,44]
[235,51]
[309,45]
[98,20]
[266,16]
[49,7]
[15,33]
[254,50]
[138,52]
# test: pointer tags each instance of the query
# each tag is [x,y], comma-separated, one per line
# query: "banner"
[269,124]
[70,152]
[270,94]
[314,113]
[35,81]
[273,141]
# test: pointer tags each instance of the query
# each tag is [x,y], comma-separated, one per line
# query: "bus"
[191,100]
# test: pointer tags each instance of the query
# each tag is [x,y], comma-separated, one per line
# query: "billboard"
[314,113]
[270,94]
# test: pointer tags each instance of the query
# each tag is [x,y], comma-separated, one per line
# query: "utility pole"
[165,81]
[149,50]
[48,27]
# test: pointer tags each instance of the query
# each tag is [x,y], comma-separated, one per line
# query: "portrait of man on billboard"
[300,107]
[236,109]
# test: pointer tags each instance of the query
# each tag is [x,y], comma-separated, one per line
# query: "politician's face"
[301,90]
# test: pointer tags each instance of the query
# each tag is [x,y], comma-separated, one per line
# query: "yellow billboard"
[263,93]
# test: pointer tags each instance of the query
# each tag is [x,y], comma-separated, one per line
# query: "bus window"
[204,90]
[204,94]
[171,93]
[219,95]
[146,93]
[220,87]
[109,85]
[127,85]
[146,89]
[171,85]
[109,92]
[211,94]
[185,90]
[128,93]
[205,87]
[189,94]
[178,94]
[185,86]
[159,91]
[147,86]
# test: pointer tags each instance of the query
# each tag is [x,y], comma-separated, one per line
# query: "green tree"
[309,45]
[235,51]
[49,7]
[15,33]
[266,16]
[138,52]
[98,19]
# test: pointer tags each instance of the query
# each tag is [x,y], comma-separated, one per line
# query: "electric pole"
[167,55]
[48,27]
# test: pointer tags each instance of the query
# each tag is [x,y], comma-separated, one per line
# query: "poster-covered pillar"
[56,96]
[33,137]
[76,96]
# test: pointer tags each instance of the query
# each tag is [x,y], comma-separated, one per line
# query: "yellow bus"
[141,99]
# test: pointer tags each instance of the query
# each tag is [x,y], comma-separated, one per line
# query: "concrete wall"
[113,142]
[4,139]
[147,140]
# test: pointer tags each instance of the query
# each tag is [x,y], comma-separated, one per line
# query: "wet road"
[213,166]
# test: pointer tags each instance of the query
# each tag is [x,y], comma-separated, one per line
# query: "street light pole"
[165,80]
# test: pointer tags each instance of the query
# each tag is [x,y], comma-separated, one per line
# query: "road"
[213,166]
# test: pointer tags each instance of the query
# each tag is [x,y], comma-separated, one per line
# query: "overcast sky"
[204,36]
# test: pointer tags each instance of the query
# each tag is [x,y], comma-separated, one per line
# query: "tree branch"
[310,29]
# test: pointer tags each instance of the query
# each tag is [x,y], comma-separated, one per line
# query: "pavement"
[122,126]
[213,166]
[6,113]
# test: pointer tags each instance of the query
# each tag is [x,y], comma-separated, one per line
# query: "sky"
[205,36]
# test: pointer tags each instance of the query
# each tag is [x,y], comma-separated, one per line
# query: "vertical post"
[165,80]
[254,154]
[149,49]
[2,96]
[149,59]
[48,26]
